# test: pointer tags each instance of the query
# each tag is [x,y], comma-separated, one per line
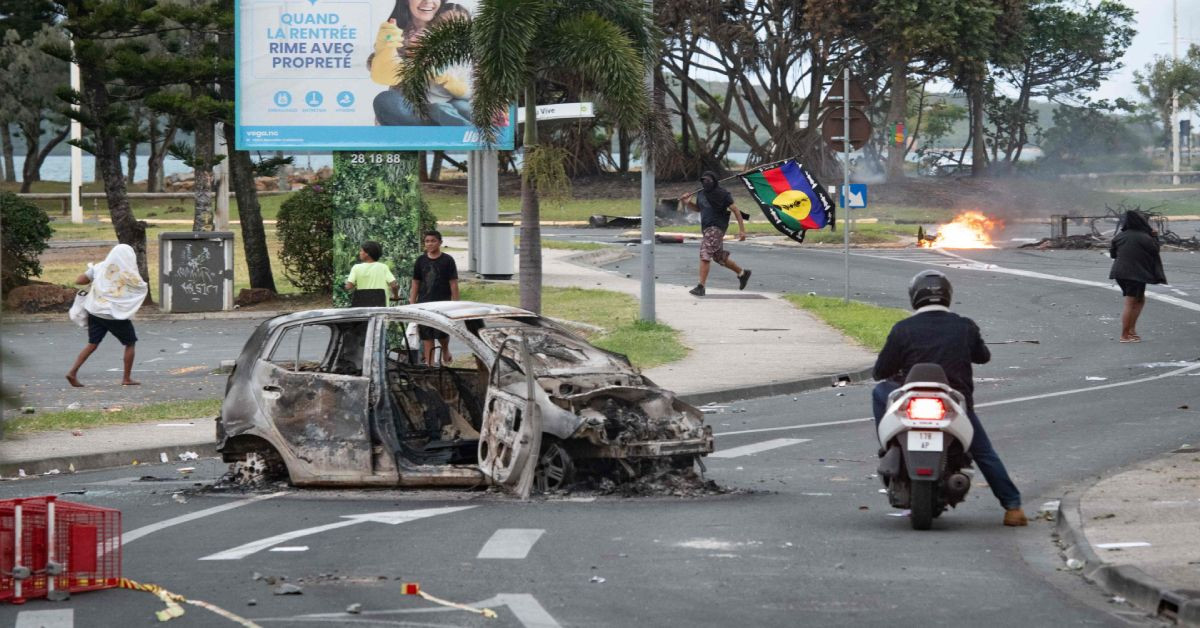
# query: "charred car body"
[337,398]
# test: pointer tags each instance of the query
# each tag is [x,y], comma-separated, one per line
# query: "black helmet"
[929,287]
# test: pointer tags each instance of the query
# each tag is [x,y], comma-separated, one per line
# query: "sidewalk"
[743,344]
[1137,534]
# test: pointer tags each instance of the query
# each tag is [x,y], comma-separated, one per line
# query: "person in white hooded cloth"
[117,292]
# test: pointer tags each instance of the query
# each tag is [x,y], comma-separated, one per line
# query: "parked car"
[336,397]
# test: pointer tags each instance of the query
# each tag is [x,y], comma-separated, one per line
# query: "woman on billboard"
[449,93]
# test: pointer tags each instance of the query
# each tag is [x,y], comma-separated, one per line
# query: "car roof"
[448,310]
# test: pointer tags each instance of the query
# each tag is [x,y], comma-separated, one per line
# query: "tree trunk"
[978,147]
[203,180]
[531,231]
[10,163]
[35,158]
[158,154]
[624,145]
[254,237]
[108,161]
[131,163]
[33,142]
[435,172]
[896,114]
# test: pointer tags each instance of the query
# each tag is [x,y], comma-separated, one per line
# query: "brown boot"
[1015,517]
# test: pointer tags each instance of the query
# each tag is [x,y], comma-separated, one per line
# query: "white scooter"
[924,438]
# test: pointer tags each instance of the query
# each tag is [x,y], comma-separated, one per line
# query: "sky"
[1153,23]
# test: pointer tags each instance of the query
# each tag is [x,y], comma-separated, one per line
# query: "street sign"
[858,195]
[858,95]
[832,128]
[564,111]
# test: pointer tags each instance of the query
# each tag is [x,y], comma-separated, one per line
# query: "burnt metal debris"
[337,398]
[1100,229]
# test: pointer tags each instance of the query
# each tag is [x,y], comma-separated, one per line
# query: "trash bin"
[496,250]
[195,271]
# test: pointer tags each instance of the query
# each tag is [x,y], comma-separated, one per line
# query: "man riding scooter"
[934,334]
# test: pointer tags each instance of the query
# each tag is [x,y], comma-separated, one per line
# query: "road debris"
[598,580]
[413,588]
[74,405]
[173,608]
[188,455]
[288,588]
[354,609]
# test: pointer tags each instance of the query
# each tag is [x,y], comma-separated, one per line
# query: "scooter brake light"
[926,409]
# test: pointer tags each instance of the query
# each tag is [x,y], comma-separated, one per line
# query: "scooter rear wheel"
[924,500]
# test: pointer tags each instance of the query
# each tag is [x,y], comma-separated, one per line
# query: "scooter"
[924,439]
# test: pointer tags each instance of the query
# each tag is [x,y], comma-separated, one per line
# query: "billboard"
[319,75]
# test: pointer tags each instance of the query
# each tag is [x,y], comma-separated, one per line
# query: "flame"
[968,230]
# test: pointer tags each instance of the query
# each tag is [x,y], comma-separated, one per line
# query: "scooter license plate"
[924,440]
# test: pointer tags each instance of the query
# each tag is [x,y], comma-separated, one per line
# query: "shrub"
[24,231]
[305,224]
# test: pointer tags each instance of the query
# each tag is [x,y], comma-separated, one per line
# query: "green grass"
[865,323]
[571,245]
[79,419]
[143,209]
[646,344]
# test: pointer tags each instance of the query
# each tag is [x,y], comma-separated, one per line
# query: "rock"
[251,296]
[252,602]
[288,589]
[40,298]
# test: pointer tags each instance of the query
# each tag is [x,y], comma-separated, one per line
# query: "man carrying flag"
[714,204]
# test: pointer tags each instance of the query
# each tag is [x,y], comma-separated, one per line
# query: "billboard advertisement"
[320,75]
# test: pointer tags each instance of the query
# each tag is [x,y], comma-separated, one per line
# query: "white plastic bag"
[78,314]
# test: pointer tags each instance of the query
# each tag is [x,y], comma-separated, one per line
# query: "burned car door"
[315,396]
[511,433]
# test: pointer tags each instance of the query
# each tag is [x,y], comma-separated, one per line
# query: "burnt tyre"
[555,468]
[924,499]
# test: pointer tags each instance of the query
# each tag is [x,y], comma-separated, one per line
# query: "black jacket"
[944,338]
[1135,252]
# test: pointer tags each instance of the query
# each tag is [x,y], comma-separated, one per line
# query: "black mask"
[708,184]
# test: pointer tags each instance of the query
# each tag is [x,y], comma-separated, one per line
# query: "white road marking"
[526,608]
[1179,292]
[58,618]
[1060,393]
[289,548]
[510,543]
[1124,545]
[390,518]
[151,360]
[138,533]
[754,448]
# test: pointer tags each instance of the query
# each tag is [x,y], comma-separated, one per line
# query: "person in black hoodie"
[935,334]
[1136,262]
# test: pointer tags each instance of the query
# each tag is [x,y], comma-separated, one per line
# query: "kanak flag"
[791,198]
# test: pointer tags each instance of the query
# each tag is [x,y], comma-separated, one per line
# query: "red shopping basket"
[51,549]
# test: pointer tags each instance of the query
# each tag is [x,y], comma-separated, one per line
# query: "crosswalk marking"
[510,543]
[746,450]
[58,618]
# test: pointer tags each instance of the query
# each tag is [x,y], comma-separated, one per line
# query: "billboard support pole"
[844,192]
[647,302]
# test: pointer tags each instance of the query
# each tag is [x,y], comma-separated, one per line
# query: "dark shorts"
[1130,288]
[429,333]
[121,330]
[712,246]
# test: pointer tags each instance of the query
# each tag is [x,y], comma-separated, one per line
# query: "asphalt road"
[804,539]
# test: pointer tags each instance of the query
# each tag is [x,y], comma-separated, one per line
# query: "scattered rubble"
[288,588]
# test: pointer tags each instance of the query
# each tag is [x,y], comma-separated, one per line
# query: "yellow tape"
[173,608]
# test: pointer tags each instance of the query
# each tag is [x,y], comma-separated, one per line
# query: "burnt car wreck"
[337,398]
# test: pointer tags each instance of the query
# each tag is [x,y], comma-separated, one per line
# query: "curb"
[1127,581]
[61,317]
[106,460]
[777,388]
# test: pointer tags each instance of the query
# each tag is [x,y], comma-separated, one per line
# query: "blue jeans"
[981,449]
[391,109]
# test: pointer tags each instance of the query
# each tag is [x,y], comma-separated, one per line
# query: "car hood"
[558,353]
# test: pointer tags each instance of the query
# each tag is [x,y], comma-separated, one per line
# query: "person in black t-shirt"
[435,278]
[715,204]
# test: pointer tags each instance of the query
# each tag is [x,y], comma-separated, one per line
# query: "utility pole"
[647,304]
[1175,94]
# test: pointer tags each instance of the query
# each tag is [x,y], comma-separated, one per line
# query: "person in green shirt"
[370,281]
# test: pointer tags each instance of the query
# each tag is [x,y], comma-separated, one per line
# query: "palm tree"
[515,45]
